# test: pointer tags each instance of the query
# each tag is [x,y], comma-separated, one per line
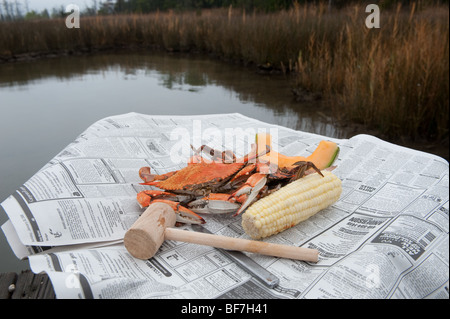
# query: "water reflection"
[45,104]
[269,94]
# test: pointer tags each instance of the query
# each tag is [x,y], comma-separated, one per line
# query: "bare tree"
[95,5]
[6,7]
[18,12]
[10,10]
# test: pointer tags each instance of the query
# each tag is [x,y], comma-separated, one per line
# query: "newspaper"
[387,236]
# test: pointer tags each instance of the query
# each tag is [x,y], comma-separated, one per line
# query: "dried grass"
[394,79]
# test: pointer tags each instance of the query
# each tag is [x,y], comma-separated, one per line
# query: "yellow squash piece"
[323,157]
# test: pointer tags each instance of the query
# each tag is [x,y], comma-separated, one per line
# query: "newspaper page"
[387,236]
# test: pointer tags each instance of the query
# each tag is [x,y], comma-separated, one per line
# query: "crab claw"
[145,198]
[250,190]
[184,215]
[303,167]
[214,204]
[146,175]
[149,178]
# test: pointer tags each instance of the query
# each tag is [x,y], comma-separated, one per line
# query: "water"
[46,104]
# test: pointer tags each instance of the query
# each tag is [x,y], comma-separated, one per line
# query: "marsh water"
[46,104]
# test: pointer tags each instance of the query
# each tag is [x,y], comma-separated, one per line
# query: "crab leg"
[253,156]
[242,175]
[218,156]
[250,190]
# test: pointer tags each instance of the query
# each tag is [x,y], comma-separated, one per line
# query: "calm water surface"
[46,104]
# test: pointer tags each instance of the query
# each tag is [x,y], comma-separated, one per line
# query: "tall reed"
[394,79]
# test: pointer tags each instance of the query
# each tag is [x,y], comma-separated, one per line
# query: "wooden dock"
[25,285]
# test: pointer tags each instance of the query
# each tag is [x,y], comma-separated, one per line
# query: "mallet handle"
[238,244]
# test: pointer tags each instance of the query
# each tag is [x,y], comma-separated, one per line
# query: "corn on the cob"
[291,205]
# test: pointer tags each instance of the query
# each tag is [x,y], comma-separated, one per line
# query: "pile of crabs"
[221,183]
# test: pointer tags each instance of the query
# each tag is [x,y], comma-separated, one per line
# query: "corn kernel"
[291,204]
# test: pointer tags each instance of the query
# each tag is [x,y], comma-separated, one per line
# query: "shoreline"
[437,147]
[327,54]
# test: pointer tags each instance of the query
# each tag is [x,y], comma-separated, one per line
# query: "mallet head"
[146,235]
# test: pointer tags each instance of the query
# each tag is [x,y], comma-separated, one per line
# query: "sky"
[39,5]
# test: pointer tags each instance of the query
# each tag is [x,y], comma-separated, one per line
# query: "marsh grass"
[393,79]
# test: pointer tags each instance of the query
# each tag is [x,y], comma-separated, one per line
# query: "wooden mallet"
[148,233]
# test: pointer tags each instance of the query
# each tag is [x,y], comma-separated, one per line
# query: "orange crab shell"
[199,174]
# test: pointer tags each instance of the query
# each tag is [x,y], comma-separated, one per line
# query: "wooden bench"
[25,285]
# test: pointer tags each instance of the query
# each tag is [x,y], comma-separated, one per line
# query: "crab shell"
[199,179]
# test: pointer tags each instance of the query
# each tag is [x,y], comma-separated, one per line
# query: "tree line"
[153,5]
[144,6]
[19,9]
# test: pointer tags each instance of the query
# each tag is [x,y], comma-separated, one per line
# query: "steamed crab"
[219,184]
